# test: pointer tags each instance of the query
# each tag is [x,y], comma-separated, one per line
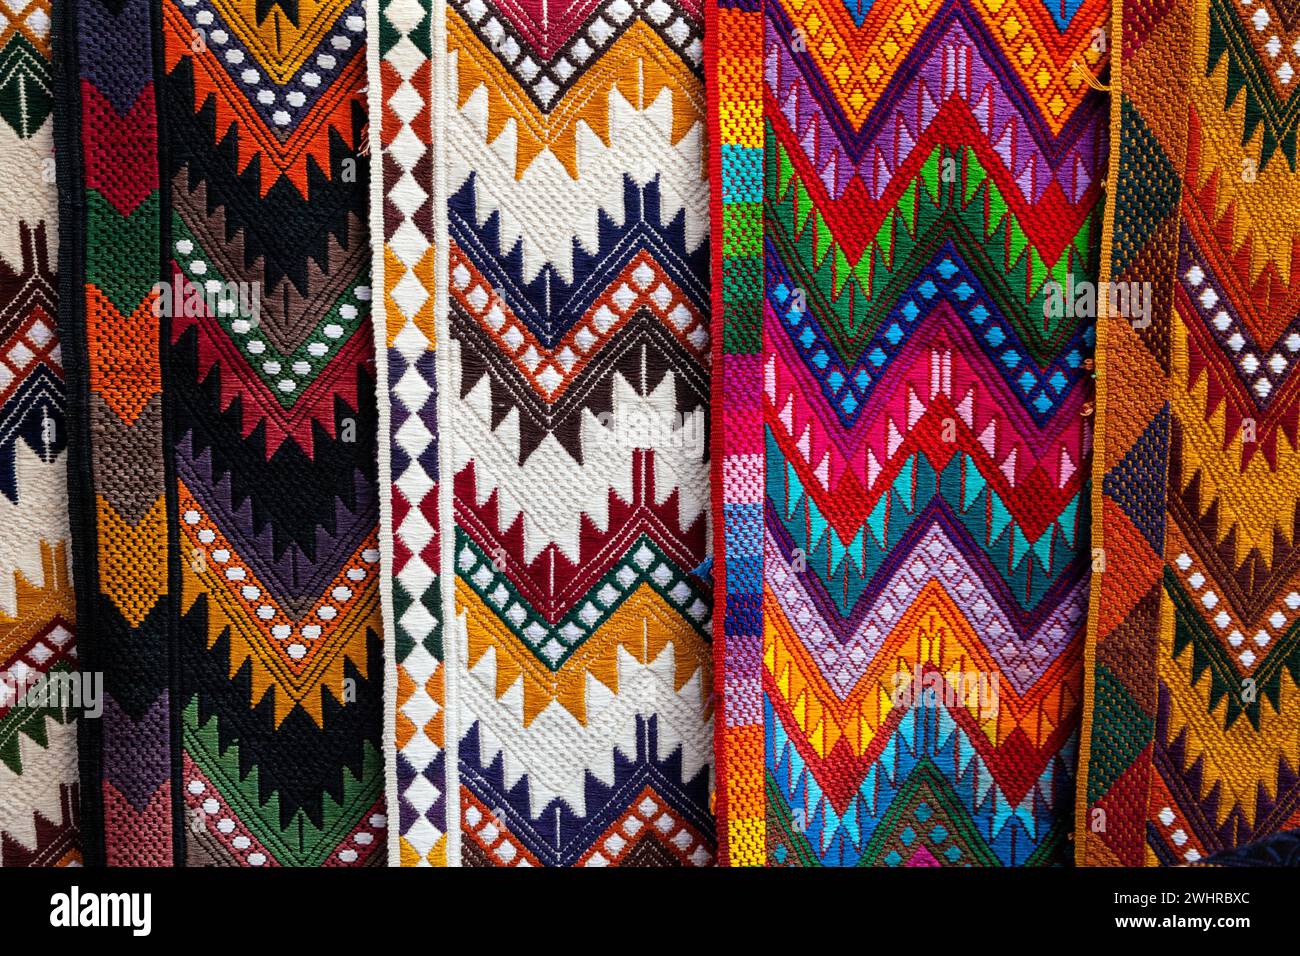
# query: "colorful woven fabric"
[38,747]
[552,688]
[1192,705]
[402,213]
[220,371]
[903,474]
[734,68]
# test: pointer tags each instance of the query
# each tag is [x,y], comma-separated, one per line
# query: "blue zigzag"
[557,835]
[925,732]
[548,306]
[944,278]
[38,400]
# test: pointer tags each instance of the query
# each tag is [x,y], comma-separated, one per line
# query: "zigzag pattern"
[1194,687]
[226,365]
[38,772]
[275,482]
[903,510]
[573,344]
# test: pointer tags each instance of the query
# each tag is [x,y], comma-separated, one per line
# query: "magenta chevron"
[902,656]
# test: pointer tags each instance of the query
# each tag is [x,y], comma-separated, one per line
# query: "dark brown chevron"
[642,352]
[132,488]
[1252,586]
[288,315]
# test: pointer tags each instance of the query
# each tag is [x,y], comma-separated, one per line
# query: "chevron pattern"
[1193,685]
[230,436]
[38,768]
[904,479]
[553,699]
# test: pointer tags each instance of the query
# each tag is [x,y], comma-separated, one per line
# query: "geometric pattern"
[1192,683]
[465,414]
[570,302]
[225,486]
[734,72]
[110,338]
[38,744]
[906,425]
[402,213]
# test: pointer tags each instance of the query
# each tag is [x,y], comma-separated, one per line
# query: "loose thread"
[1088,76]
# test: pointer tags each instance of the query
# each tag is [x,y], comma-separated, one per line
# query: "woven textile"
[402,213]
[38,763]
[1193,709]
[552,688]
[214,311]
[901,387]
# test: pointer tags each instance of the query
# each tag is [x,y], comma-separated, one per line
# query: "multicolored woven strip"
[904,468]
[552,688]
[1192,727]
[38,744]
[402,211]
[215,309]
[734,68]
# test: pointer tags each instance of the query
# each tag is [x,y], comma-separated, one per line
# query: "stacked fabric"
[638,433]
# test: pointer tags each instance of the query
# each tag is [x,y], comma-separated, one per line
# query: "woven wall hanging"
[215,315]
[910,199]
[1192,725]
[38,744]
[731,361]
[545,276]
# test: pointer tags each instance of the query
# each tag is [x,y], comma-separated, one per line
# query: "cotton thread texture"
[575,341]
[38,747]
[228,426]
[1192,704]
[402,210]
[904,480]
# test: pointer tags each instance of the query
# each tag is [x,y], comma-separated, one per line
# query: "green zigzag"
[430,600]
[1208,654]
[927,210]
[780,819]
[926,779]
[301,843]
[677,590]
[1228,35]
[30,722]
[852,564]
